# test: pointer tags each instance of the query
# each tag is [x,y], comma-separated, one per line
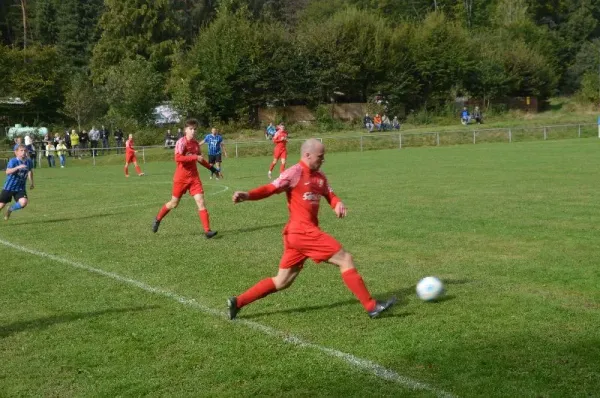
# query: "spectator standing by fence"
[104,136]
[61,150]
[50,151]
[119,140]
[68,142]
[84,141]
[75,143]
[94,139]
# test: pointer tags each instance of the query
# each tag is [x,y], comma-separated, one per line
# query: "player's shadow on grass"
[75,217]
[43,323]
[252,229]
[402,295]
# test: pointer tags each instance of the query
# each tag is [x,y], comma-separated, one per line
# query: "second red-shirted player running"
[304,186]
[130,157]
[186,178]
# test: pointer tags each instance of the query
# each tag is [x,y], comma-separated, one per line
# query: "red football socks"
[205,220]
[126,171]
[281,168]
[355,283]
[138,169]
[163,212]
[258,291]
[272,167]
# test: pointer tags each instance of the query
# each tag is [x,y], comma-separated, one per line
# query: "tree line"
[220,60]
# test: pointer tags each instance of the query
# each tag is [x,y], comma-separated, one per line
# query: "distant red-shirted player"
[130,157]
[304,186]
[280,151]
[186,178]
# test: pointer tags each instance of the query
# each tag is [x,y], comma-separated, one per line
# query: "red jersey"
[186,156]
[280,139]
[129,147]
[304,189]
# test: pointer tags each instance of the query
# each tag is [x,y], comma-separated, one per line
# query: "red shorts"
[280,153]
[130,158]
[316,245]
[181,187]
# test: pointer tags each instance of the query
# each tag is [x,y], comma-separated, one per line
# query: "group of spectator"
[466,117]
[381,123]
[84,142]
[73,144]
[171,139]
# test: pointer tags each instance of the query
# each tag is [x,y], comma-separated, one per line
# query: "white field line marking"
[363,364]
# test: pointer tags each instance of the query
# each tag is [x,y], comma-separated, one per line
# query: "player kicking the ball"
[186,178]
[304,185]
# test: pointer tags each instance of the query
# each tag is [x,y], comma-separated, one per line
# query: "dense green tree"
[36,76]
[135,28]
[235,65]
[442,56]
[45,24]
[132,89]
[349,54]
[81,101]
[76,30]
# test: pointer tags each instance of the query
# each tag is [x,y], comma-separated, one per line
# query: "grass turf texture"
[512,229]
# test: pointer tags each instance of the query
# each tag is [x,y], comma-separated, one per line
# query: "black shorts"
[7,196]
[212,159]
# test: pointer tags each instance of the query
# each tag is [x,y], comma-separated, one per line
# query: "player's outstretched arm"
[239,196]
[257,193]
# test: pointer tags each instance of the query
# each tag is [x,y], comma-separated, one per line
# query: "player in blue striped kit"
[214,140]
[18,170]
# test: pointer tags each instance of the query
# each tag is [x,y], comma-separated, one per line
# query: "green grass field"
[95,304]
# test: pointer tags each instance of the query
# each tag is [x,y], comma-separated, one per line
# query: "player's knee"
[347,261]
[23,203]
[173,204]
[282,283]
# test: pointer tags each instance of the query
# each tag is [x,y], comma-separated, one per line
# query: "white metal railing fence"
[356,142]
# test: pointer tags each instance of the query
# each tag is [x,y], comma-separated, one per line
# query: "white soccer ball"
[430,288]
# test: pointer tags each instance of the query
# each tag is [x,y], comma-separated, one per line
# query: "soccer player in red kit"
[304,186]
[186,178]
[130,157]
[280,151]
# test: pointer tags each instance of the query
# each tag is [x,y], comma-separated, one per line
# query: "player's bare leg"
[138,170]
[20,204]
[204,217]
[284,279]
[273,163]
[282,166]
[167,207]
[218,166]
[126,169]
[356,285]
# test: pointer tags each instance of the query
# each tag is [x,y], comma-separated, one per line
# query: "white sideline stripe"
[363,364]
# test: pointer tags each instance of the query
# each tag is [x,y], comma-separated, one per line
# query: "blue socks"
[15,207]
